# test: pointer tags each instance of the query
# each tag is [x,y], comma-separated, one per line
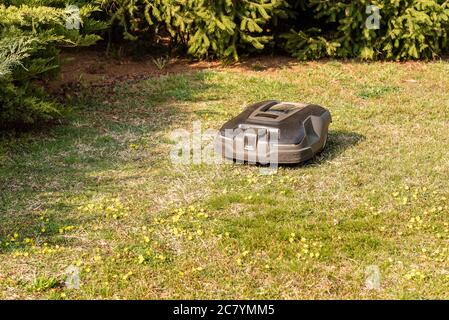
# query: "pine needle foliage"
[30,35]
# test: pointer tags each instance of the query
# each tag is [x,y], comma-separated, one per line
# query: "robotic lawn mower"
[272,130]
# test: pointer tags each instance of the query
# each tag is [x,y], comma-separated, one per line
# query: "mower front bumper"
[279,153]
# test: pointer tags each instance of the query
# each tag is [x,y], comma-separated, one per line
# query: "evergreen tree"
[216,28]
[30,35]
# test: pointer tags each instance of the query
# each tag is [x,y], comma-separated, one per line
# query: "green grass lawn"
[99,192]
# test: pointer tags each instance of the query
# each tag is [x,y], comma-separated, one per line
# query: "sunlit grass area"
[99,194]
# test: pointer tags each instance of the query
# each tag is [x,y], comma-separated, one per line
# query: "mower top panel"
[286,117]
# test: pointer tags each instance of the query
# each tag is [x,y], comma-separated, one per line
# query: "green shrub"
[218,28]
[409,29]
[309,45]
[29,38]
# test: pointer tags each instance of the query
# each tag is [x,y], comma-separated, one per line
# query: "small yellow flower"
[127,276]
[141,259]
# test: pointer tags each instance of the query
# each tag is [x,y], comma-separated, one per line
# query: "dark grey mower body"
[294,132]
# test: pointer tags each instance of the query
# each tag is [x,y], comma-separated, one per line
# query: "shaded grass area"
[99,193]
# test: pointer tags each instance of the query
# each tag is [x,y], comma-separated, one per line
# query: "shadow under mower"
[275,132]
